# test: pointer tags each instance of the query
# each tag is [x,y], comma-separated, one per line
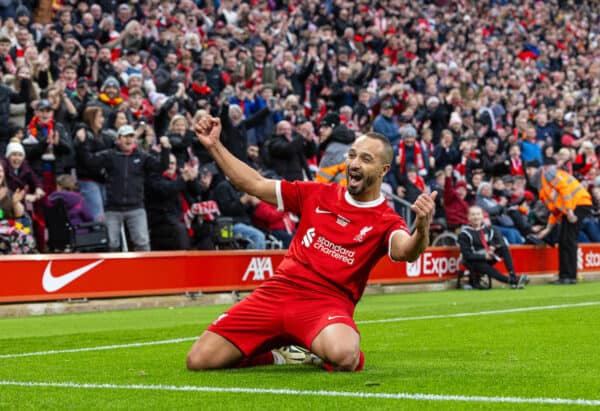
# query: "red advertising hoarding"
[57,277]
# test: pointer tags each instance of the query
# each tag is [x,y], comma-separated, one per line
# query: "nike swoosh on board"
[51,283]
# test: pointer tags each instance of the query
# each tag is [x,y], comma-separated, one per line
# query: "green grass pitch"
[537,348]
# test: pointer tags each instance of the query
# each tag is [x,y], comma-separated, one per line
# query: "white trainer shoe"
[293,354]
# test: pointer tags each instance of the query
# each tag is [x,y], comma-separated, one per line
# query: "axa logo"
[361,236]
[308,237]
[414,269]
[51,283]
[260,268]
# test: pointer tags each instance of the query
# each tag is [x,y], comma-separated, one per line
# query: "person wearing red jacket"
[455,205]
[280,224]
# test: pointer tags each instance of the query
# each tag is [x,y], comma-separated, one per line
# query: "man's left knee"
[344,357]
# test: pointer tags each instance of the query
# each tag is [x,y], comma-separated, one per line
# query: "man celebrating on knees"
[482,246]
[310,301]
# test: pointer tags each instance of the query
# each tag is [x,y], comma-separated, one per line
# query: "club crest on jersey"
[343,221]
[361,236]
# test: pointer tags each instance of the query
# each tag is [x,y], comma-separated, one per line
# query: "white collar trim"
[363,204]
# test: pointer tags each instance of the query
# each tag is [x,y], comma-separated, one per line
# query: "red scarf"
[20,52]
[137,113]
[516,167]
[419,183]
[202,90]
[33,130]
[110,101]
[402,157]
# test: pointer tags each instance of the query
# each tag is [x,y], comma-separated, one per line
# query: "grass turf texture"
[534,354]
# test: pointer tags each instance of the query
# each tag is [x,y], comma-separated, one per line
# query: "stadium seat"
[65,237]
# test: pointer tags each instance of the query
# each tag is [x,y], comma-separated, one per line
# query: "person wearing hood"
[127,168]
[334,141]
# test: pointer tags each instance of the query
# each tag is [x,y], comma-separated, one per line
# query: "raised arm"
[208,131]
[408,247]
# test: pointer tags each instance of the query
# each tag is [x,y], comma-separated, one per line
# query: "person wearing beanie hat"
[14,147]
[110,98]
[110,82]
[330,120]
[455,125]
[19,175]
[433,101]
[409,153]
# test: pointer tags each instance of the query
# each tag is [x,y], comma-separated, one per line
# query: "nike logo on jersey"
[51,283]
[333,317]
[321,211]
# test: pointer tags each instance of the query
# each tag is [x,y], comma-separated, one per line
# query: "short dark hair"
[388,151]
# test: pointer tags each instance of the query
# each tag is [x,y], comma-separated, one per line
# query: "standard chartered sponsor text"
[335,251]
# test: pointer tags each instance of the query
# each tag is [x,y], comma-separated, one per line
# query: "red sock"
[361,364]
[257,360]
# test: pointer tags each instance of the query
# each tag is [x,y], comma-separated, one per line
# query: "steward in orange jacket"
[566,197]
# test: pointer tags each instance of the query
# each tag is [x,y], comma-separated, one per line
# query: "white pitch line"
[387,320]
[100,348]
[321,393]
[459,315]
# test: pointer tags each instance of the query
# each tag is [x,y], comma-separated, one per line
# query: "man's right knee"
[211,351]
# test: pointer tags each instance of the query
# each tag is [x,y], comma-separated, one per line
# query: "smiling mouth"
[354,178]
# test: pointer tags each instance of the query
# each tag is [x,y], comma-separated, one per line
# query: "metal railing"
[405,211]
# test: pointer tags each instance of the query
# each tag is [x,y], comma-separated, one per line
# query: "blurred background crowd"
[98,99]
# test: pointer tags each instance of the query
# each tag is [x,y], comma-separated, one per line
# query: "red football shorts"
[278,314]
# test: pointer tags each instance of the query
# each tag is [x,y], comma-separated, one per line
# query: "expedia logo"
[428,264]
[414,269]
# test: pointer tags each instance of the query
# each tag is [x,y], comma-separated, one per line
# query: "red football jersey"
[338,240]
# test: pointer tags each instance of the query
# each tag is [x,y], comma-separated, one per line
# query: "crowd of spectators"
[470,94]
